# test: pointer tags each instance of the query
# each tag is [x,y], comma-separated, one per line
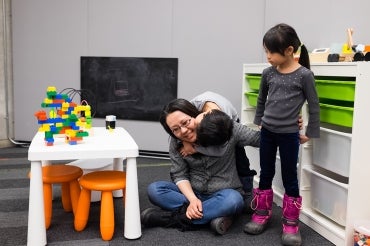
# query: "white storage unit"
[332,151]
[254,159]
[329,195]
[333,169]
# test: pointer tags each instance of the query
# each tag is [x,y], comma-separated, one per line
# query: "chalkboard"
[128,87]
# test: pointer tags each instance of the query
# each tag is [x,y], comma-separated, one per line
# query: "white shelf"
[357,200]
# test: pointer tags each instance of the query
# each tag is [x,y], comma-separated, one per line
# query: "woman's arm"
[246,136]
[208,106]
[180,176]
[194,210]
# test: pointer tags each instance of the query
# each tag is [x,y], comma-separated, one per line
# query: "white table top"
[101,143]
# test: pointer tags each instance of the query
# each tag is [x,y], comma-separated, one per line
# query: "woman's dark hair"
[280,37]
[179,104]
[215,129]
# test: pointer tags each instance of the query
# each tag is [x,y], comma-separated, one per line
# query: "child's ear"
[289,51]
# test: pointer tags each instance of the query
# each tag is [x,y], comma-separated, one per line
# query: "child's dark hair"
[280,37]
[179,104]
[215,128]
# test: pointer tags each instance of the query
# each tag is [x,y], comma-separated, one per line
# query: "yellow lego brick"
[52,114]
[51,88]
[48,101]
[78,108]
[45,127]
[71,133]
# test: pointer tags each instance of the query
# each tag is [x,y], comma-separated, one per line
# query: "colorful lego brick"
[41,115]
[45,127]
[59,101]
[63,117]
[49,143]
[82,134]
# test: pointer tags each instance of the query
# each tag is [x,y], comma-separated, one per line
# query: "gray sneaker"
[220,225]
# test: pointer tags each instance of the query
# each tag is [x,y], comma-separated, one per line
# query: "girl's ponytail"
[304,59]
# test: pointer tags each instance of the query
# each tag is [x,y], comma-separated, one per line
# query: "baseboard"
[154,154]
[5,143]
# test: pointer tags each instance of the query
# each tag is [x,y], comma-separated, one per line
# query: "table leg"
[118,165]
[36,218]
[132,208]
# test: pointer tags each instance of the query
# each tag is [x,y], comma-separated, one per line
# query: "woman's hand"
[300,122]
[194,210]
[303,139]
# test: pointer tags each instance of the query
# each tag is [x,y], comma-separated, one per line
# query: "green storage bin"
[252,98]
[336,115]
[253,81]
[336,90]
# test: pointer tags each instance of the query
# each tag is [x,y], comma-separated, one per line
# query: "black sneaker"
[156,217]
[220,225]
[153,217]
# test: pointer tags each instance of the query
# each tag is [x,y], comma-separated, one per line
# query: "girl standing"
[284,87]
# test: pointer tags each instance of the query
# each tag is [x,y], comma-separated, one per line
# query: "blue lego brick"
[49,140]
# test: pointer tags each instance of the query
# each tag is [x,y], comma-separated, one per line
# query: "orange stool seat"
[105,181]
[68,177]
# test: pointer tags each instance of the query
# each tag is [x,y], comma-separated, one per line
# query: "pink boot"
[291,208]
[262,206]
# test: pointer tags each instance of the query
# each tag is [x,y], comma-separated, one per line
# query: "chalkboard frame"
[133,88]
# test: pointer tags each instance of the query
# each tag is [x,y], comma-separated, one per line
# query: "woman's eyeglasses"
[177,129]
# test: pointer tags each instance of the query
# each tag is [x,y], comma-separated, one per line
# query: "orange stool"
[105,181]
[68,177]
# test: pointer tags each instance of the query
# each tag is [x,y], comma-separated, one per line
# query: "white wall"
[50,36]
[321,23]
[211,38]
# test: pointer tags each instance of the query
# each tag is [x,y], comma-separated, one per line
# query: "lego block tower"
[65,117]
